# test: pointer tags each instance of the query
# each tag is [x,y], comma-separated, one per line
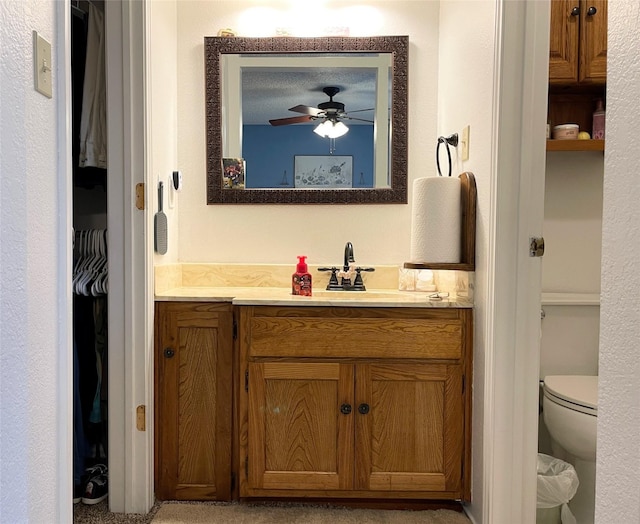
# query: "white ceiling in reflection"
[268,94]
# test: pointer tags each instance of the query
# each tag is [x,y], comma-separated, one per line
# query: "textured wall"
[618,481]
[276,234]
[28,272]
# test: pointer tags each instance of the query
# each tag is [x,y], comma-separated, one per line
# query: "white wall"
[571,263]
[573,222]
[465,92]
[30,313]
[276,234]
[618,463]
[163,118]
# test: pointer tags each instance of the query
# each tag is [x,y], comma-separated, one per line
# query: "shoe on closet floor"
[93,471]
[77,493]
[97,489]
[89,473]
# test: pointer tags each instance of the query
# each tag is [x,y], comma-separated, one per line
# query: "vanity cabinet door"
[409,431]
[193,380]
[300,431]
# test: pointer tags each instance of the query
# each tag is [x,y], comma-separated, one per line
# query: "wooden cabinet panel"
[593,42]
[325,332]
[298,437]
[563,41]
[409,427]
[193,401]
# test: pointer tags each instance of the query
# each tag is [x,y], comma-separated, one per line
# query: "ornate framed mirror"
[266,99]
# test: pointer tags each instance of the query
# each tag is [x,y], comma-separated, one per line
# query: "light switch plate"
[42,65]
[465,143]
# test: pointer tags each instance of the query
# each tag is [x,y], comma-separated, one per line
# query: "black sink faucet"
[348,256]
[347,273]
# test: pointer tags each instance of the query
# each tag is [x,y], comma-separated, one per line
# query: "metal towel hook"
[447,140]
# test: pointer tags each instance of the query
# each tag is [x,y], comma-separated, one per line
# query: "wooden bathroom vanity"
[260,399]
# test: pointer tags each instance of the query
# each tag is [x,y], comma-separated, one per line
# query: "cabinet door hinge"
[464,383]
[246,380]
[233,481]
[235,329]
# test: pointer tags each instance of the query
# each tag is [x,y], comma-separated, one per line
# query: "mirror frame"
[215,47]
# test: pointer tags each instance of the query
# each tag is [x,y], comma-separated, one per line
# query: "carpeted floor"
[260,514]
[227,513]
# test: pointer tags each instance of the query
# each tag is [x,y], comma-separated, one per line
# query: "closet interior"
[90,269]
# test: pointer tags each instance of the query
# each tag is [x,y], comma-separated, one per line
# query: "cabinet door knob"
[168,353]
[591,11]
[363,409]
[345,409]
[575,11]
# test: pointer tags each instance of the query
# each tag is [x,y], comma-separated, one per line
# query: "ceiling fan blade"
[360,119]
[307,110]
[291,120]
[360,110]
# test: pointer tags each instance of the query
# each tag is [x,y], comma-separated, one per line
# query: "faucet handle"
[333,280]
[358,284]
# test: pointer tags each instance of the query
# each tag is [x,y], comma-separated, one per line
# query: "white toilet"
[570,410]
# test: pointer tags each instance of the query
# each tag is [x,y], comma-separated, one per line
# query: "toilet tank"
[570,339]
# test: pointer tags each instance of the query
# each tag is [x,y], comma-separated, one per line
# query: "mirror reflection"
[306,123]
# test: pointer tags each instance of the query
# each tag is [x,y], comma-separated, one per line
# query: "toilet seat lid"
[579,390]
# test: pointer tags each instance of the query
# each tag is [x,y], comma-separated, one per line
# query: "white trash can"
[557,485]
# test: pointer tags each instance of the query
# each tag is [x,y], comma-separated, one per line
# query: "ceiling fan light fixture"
[330,129]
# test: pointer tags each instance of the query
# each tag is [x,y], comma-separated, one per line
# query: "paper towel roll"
[436,219]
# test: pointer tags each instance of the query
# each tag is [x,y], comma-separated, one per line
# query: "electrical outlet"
[465,143]
[42,65]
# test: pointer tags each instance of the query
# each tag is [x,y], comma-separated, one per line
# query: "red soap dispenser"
[301,279]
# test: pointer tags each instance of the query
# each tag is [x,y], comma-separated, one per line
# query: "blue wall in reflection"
[269,152]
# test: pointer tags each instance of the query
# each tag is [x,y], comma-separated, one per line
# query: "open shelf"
[575,145]
[468,199]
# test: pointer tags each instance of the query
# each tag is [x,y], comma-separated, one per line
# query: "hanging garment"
[93,122]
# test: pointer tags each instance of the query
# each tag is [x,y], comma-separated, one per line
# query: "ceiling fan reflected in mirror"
[331,113]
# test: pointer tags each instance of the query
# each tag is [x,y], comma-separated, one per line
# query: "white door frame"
[513,321]
[130,279]
[65,256]
[130,287]
[130,302]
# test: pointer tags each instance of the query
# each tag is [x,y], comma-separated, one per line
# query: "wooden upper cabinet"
[193,397]
[593,42]
[563,42]
[578,42]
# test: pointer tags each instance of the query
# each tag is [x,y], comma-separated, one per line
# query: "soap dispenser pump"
[301,279]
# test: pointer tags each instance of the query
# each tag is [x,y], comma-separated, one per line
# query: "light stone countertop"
[278,296]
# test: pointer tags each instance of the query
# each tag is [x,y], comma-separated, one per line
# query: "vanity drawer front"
[362,337]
